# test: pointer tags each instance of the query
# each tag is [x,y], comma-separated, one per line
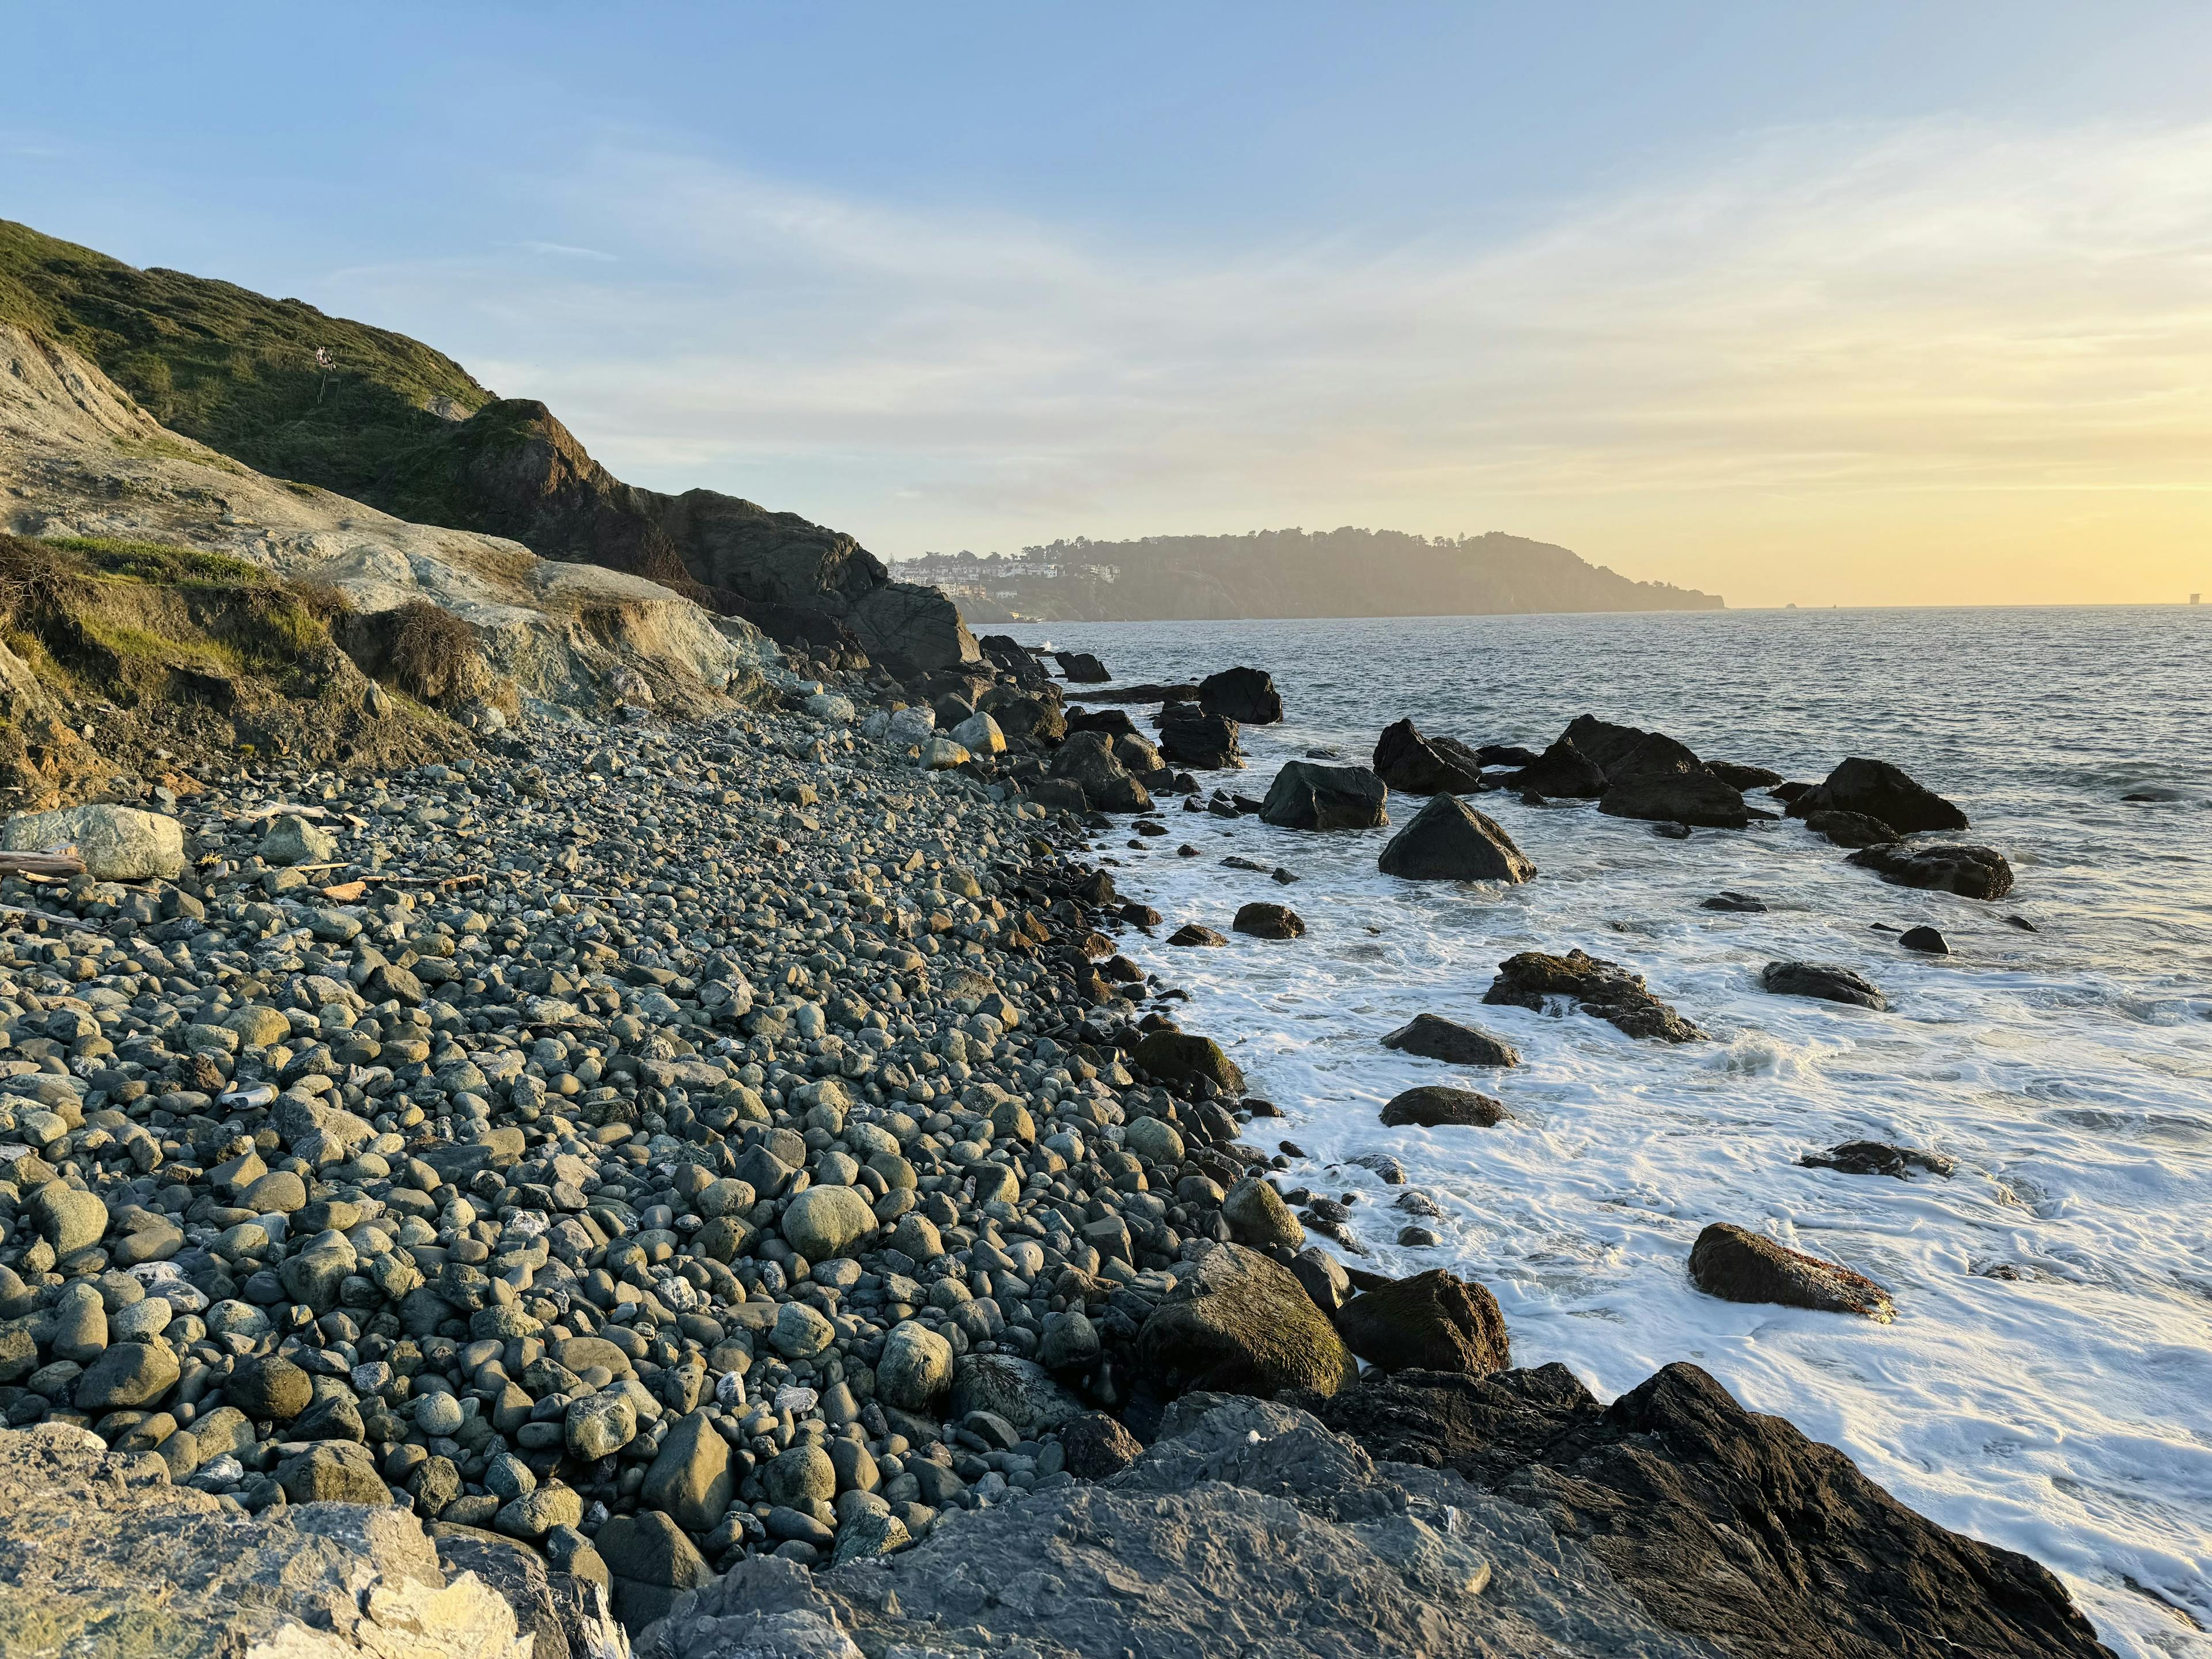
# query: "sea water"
[2047,1383]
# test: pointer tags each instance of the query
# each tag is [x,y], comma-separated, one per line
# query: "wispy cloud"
[1826,319]
[562,250]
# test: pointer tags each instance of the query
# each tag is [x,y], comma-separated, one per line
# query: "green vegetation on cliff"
[241,372]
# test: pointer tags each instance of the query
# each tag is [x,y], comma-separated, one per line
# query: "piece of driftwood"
[41,863]
[70,922]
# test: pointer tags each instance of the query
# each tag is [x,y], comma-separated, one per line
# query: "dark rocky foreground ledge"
[726,1173]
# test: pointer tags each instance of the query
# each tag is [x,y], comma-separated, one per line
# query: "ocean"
[2047,1383]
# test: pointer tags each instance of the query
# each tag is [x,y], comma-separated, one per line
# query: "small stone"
[802,1475]
[800,1333]
[600,1424]
[269,1389]
[915,1369]
[129,1374]
[823,1221]
[1258,1217]
[67,1219]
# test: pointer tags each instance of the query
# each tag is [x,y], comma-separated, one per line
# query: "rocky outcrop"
[1647,775]
[1246,696]
[1406,760]
[1738,1265]
[1604,989]
[1081,668]
[1449,840]
[1246,1528]
[1975,873]
[85,1533]
[1728,1528]
[565,635]
[1697,798]
[1877,790]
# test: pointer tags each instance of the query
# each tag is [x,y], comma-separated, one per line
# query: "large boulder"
[1406,760]
[690,1477]
[1607,991]
[1738,1265]
[116,843]
[1264,920]
[652,1562]
[1306,795]
[1433,1321]
[1975,873]
[1257,1216]
[1877,790]
[1821,981]
[1240,1323]
[1433,1037]
[1449,840]
[1246,696]
[1014,660]
[1081,667]
[1191,737]
[1731,1529]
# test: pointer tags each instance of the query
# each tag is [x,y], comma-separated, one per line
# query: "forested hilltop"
[1289,573]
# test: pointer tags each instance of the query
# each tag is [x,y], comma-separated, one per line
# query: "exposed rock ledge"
[100,1554]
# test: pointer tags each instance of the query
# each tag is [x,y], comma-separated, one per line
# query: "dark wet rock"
[1626,751]
[1605,989]
[1449,841]
[1264,920]
[1741,903]
[1246,696]
[1743,777]
[1822,980]
[1195,933]
[1725,1525]
[1738,1265]
[1081,667]
[1241,1323]
[1433,1106]
[1880,791]
[1191,737]
[1143,692]
[1182,1056]
[1114,722]
[1433,1037]
[1562,771]
[1406,760]
[1667,829]
[1324,1278]
[1925,939]
[1013,659]
[1975,873]
[1849,829]
[269,1388]
[1876,1157]
[1505,754]
[1433,1321]
[1098,1447]
[1309,796]
[1087,759]
[1696,798]
[2022,923]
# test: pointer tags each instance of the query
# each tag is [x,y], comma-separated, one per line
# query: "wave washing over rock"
[1891,1100]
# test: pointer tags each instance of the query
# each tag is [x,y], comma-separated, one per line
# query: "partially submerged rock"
[1449,840]
[1824,982]
[1433,1106]
[1877,1157]
[1877,790]
[1264,920]
[1306,795]
[1975,873]
[1432,1037]
[1406,760]
[1604,989]
[1738,1265]
[1246,696]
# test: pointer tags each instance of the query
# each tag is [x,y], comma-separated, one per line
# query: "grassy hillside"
[237,370]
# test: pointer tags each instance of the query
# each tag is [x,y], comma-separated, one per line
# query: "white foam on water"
[2047,1384]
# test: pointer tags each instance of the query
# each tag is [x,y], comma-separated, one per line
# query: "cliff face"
[384,419]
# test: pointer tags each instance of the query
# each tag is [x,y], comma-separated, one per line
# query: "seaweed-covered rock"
[1433,1321]
[1605,989]
[1975,873]
[1241,1323]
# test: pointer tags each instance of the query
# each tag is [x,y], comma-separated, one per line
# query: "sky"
[1858,304]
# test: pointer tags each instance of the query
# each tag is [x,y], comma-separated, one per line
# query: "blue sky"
[1780,300]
